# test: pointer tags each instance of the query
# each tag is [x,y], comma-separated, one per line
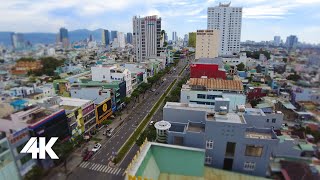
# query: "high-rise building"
[228,20]
[64,37]
[105,37]
[90,38]
[185,40]
[192,39]
[113,35]
[174,36]
[276,40]
[146,36]
[121,40]
[17,40]
[207,44]
[129,37]
[292,41]
[166,37]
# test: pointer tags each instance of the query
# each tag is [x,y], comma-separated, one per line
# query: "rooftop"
[216,84]
[195,107]
[255,133]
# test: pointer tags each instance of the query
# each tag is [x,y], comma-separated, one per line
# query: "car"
[153,90]
[156,93]
[88,155]
[110,132]
[96,147]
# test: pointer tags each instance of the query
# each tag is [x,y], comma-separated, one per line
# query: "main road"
[97,167]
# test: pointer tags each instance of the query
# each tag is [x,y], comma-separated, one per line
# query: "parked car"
[110,132]
[153,90]
[96,147]
[88,155]
[151,123]
[156,93]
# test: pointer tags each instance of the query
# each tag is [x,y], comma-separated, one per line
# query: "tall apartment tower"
[227,20]
[174,36]
[146,37]
[276,40]
[207,44]
[105,37]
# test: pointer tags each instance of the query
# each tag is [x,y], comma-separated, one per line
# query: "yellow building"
[207,44]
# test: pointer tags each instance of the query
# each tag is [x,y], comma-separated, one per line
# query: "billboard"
[103,110]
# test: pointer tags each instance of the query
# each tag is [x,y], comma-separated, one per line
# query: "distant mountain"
[47,38]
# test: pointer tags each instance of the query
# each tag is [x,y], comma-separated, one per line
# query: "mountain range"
[47,38]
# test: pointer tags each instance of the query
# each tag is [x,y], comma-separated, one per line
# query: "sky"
[262,19]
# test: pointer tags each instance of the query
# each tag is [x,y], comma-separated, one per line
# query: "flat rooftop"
[216,84]
[230,117]
[195,107]
[254,112]
[257,135]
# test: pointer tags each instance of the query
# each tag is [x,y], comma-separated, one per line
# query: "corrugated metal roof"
[217,84]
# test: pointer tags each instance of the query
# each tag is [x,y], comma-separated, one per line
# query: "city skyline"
[261,19]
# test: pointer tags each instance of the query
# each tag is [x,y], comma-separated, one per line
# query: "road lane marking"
[118,171]
[96,168]
[109,170]
[105,168]
[93,166]
[100,169]
[113,171]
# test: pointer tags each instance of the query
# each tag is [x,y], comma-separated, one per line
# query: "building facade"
[146,37]
[105,37]
[207,44]
[206,91]
[229,141]
[228,21]
[129,38]
[113,35]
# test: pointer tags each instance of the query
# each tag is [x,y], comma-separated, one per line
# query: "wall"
[90,94]
[183,116]
[100,74]
[261,120]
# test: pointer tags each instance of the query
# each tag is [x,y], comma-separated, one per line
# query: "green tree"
[285,60]
[192,39]
[294,77]
[165,44]
[241,66]
[63,150]
[36,173]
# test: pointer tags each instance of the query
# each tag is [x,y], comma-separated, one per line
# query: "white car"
[96,147]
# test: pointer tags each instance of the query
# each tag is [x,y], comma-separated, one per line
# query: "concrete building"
[113,35]
[291,42]
[129,38]
[146,37]
[64,37]
[121,40]
[229,141]
[100,91]
[207,44]
[228,21]
[206,91]
[17,140]
[174,36]
[276,40]
[18,41]
[112,73]
[105,37]
[8,167]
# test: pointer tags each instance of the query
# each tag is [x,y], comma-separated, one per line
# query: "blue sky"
[262,19]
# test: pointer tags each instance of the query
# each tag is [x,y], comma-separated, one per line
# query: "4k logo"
[32,147]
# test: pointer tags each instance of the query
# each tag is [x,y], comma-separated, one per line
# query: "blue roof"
[18,102]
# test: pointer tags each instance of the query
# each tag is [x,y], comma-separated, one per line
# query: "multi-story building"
[41,122]
[174,36]
[23,67]
[98,92]
[192,39]
[228,21]
[207,44]
[292,42]
[8,167]
[276,40]
[206,91]
[17,41]
[112,73]
[121,40]
[105,37]
[17,140]
[113,35]
[129,38]
[146,37]
[208,67]
[230,142]
[64,37]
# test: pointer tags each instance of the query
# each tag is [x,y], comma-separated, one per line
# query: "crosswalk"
[102,168]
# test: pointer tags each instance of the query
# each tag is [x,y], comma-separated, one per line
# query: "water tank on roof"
[162,128]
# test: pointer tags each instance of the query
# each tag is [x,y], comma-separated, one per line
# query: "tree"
[165,44]
[294,77]
[63,150]
[285,60]
[1,60]
[241,66]
[36,173]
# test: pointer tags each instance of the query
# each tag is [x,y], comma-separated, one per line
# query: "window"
[252,150]
[209,144]
[188,97]
[211,96]
[274,120]
[267,120]
[104,76]
[201,96]
[230,149]
[249,166]
[208,160]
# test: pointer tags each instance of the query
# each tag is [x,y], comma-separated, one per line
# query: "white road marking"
[100,169]
[97,167]
[109,170]
[113,171]
[93,166]
[124,173]
[118,171]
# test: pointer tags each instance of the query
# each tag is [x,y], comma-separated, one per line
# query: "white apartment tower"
[228,20]
[207,43]
[146,37]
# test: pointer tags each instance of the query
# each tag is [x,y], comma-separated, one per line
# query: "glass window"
[249,166]
[209,144]
[252,150]
[211,96]
[273,120]
[201,96]
[208,160]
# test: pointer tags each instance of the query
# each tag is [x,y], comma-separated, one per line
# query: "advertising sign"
[103,111]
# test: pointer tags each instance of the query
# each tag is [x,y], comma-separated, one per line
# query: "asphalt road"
[97,167]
